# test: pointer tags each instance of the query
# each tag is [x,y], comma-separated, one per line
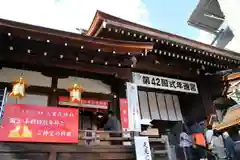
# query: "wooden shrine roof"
[73,39]
[103,20]
[54,48]
[108,54]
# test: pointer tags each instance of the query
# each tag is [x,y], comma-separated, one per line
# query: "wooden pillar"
[208,89]
[1,49]
[116,105]
[115,98]
[52,156]
[53,97]
[118,89]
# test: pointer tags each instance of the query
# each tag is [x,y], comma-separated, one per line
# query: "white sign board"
[234,90]
[142,148]
[146,80]
[133,108]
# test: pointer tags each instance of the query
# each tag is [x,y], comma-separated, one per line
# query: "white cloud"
[233,45]
[231,12]
[205,37]
[70,14]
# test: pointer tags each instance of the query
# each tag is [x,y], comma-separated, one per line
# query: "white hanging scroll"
[133,108]
[142,148]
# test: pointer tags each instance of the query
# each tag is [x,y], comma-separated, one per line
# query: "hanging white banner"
[142,148]
[158,82]
[133,107]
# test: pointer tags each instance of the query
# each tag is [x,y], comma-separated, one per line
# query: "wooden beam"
[77,40]
[173,49]
[116,22]
[122,73]
[165,68]
[71,53]
[231,77]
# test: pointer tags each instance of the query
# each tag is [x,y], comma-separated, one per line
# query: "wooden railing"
[97,150]
[105,136]
[158,145]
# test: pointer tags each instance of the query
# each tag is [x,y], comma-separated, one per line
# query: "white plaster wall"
[32,99]
[31,77]
[37,79]
[89,85]
[9,75]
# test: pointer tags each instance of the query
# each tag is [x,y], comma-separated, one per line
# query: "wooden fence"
[100,148]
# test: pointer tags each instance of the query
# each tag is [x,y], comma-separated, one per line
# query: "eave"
[72,39]
[103,20]
[53,48]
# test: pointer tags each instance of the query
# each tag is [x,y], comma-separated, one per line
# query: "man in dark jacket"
[113,124]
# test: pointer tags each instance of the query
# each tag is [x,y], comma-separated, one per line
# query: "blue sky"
[172,16]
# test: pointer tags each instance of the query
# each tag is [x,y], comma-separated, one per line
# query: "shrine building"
[174,76]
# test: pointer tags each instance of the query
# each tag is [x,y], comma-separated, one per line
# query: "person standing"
[237,146]
[113,124]
[229,145]
[186,144]
[209,135]
[217,145]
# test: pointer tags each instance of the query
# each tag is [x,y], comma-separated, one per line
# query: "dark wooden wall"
[27,151]
[199,107]
[210,87]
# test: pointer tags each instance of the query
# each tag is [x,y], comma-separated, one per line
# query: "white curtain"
[159,106]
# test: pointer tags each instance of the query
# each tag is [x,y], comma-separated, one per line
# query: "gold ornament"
[18,89]
[75,93]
